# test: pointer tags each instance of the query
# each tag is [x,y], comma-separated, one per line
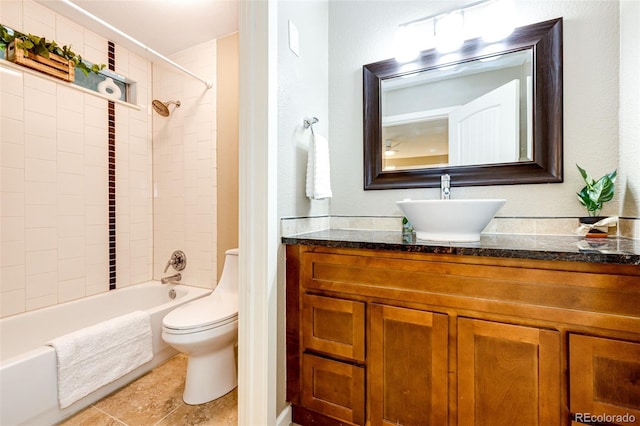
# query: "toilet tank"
[229,279]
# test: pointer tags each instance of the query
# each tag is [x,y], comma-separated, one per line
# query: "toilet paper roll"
[109,88]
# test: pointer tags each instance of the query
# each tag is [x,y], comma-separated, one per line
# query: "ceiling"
[165,26]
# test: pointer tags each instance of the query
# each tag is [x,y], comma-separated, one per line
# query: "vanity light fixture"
[406,41]
[449,31]
[492,20]
[498,21]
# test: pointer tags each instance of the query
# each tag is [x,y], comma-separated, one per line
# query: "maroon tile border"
[112,176]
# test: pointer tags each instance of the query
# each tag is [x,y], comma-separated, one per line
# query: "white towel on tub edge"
[94,356]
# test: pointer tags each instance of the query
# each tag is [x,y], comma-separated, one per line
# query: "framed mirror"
[487,114]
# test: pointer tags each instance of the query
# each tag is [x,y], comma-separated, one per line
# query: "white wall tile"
[39,146]
[41,102]
[95,234]
[71,226]
[70,162]
[71,247]
[96,135]
[72,121]
[39,216]
[11,82]
[12,278]
[41,239]
[12,228]
[11,179]
[71,269]
[41,262]
[70,141]
[71,184]
[16,111]
[40,193]
[12,253]
[35,82]
[11,13]
[38,170]
[11,155]
[38,19]
[95,48]
[11,131]
[41,301]
[54,175]
[11,204]
[12,302]
[70,205]
[39,124]
[71,289]
[68,33]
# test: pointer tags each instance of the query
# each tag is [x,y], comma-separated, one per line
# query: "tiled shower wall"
[54,182]
[184,163]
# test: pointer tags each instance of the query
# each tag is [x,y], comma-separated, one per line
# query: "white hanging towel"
[94,356]
[318,169]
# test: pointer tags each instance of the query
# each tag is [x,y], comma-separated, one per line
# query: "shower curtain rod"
[137,43]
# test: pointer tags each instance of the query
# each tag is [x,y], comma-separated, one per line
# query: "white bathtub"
[28,378]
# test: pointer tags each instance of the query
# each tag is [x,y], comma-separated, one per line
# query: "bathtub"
[28,377]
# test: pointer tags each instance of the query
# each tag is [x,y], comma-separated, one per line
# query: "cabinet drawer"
[333,388]
[333,326]
[604,378]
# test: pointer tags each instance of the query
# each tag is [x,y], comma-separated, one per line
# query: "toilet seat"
[203,314]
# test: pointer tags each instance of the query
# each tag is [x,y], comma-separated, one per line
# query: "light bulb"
[498,21]
[449,32]
[406,44]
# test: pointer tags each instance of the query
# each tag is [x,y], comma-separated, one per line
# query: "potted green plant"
[594,194]
[43,55]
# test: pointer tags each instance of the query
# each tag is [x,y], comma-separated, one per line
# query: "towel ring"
[309,122]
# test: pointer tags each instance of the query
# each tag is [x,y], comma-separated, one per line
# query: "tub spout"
[171,278]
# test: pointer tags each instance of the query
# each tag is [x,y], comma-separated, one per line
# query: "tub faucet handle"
[178,260]
[445,187]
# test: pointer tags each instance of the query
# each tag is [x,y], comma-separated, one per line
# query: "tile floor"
[156,399]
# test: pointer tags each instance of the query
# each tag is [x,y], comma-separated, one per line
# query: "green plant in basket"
[34,45]
[596,193]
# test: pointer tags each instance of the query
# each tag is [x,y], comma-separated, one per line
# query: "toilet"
[206,330]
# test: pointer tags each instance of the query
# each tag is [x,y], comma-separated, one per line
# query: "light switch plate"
[294,39]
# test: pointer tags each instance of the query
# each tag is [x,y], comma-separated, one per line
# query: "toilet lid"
[207,312]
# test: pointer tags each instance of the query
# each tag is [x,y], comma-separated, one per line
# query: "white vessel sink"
[450,220]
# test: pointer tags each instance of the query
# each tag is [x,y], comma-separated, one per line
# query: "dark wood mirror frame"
[545,39]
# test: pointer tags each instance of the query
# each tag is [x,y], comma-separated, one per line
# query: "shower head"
[162,108]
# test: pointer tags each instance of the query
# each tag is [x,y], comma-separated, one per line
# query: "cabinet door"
[507,375]
[333,326]
[333,388]
[407,367]
[604,376]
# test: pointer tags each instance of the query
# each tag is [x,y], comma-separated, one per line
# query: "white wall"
[362,32]
[54,186]
[184,164]
[302,92]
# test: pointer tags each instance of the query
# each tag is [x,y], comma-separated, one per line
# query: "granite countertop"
[545,247]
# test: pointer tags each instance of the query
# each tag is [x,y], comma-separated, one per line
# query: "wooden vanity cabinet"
[507,374]
[407,366]
[605,377]
[394,338]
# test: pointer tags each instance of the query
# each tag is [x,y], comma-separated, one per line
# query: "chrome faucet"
[178,261]
[171,278]
[445,187]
